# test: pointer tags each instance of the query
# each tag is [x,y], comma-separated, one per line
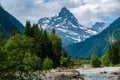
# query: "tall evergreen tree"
[2,40]
[28,29]
[46,45]
[37,34]
[56,47]
[114,53]
[53,31]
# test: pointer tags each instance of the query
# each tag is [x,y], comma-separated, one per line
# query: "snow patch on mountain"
[67,26]
[99,26]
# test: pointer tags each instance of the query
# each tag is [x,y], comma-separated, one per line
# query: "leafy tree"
[13,33]
[64,53]
[114,53]
[105,60]
[31,62]
[19,57]
[3,55]
[47,63]
[65,61]
[3,58]
[94,61]
[16,47]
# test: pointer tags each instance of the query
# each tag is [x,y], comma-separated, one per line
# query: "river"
[98,73]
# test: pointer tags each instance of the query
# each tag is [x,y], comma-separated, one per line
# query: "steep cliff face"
[98,44]
[9,24]
[66,26]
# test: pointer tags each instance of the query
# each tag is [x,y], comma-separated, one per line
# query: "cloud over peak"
[86,11]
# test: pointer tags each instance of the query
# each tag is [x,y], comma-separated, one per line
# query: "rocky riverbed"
[59,74]
[106,73]
[88,73]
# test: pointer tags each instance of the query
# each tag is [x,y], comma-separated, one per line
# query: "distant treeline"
[111,58]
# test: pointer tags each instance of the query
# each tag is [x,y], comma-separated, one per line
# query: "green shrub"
[105,60]
[47,64]
[94,61]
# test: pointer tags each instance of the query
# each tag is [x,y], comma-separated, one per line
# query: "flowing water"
[94,74]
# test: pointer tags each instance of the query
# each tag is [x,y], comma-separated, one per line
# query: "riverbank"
[86,73]
[105,73]
[62,74]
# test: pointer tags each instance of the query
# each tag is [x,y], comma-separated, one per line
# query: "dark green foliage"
[105,60]
[18,46]
[47,63]
[53,31]
[66,61]
[2,40]
[45,45]
[17,57]
[22,55]
[32,62]
[64,53]
[13,33]
[56,47]
[94,61]
[113,56]
[114,53]
[37,35]
[28,28]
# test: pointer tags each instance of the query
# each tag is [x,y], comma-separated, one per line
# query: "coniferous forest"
[23,54]
[27,55]
[76,40]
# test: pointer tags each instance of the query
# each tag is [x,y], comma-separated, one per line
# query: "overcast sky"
[86,11]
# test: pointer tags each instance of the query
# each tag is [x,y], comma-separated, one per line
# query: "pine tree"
[56,47]
[114,53]
[53,31]
[37,34]
[28,29]
[47,45]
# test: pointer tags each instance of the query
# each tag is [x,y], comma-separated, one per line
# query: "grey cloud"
[87,11]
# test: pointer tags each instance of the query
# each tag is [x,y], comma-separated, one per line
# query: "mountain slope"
[9,24]
[98,44]
[66,26]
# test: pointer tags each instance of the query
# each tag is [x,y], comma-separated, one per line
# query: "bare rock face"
[117,75]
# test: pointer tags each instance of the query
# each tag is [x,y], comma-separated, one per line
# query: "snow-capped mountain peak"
[65,12]
[66,26]
[99,26]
